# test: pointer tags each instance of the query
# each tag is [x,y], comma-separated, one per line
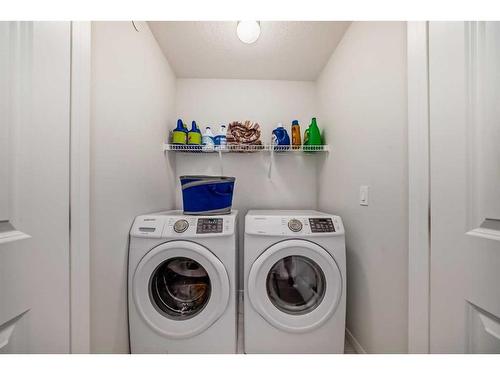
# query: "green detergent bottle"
[312,135]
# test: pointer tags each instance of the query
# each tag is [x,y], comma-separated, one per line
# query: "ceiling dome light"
[248,31]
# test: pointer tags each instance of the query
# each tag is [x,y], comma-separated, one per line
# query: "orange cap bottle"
[296,141]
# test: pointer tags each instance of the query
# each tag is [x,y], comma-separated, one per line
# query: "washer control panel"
[174,224]
[209,225]
[321,225]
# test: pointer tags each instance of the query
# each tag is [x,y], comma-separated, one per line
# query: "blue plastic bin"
[207,195]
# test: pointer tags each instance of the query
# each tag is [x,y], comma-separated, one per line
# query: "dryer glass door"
[296,285]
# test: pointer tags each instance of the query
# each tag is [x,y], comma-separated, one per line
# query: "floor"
[348,348]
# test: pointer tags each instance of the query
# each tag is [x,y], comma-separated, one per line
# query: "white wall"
[293,181]
[362,100]
[132,108]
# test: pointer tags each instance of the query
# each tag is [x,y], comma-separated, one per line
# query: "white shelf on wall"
[196,149]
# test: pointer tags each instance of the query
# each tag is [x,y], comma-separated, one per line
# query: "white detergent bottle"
[207,140]
[222,138]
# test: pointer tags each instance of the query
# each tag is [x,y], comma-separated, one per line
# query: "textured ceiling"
[285,50]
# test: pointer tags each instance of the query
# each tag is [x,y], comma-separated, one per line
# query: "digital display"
[209,225]
[321,225]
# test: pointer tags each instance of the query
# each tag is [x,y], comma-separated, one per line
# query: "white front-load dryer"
[295,282]
[182,283]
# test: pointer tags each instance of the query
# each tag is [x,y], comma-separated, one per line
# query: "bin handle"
[214,190]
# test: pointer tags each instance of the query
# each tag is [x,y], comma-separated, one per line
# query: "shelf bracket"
[271,160]
[220,163]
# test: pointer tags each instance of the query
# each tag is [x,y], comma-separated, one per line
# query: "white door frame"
[418,172]
[419,198]
[79,187]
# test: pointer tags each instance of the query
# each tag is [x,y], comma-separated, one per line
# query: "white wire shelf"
[242,148]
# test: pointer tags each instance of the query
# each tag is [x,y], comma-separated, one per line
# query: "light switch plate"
[363,195]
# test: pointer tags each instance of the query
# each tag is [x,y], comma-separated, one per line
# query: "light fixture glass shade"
[248,31]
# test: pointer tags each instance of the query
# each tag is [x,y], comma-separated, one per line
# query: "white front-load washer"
[295,282]
[182,283]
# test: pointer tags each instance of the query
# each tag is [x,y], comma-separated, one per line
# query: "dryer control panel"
[310,223]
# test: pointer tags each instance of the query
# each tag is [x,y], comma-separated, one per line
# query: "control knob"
[181,226]
[295,225]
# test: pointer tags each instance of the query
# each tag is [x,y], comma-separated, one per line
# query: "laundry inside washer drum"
[180,288]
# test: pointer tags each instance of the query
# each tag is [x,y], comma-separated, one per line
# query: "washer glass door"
[180,288]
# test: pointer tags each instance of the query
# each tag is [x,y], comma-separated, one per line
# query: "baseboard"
[355,344]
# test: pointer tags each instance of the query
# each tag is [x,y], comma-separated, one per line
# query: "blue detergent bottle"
[280,137]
